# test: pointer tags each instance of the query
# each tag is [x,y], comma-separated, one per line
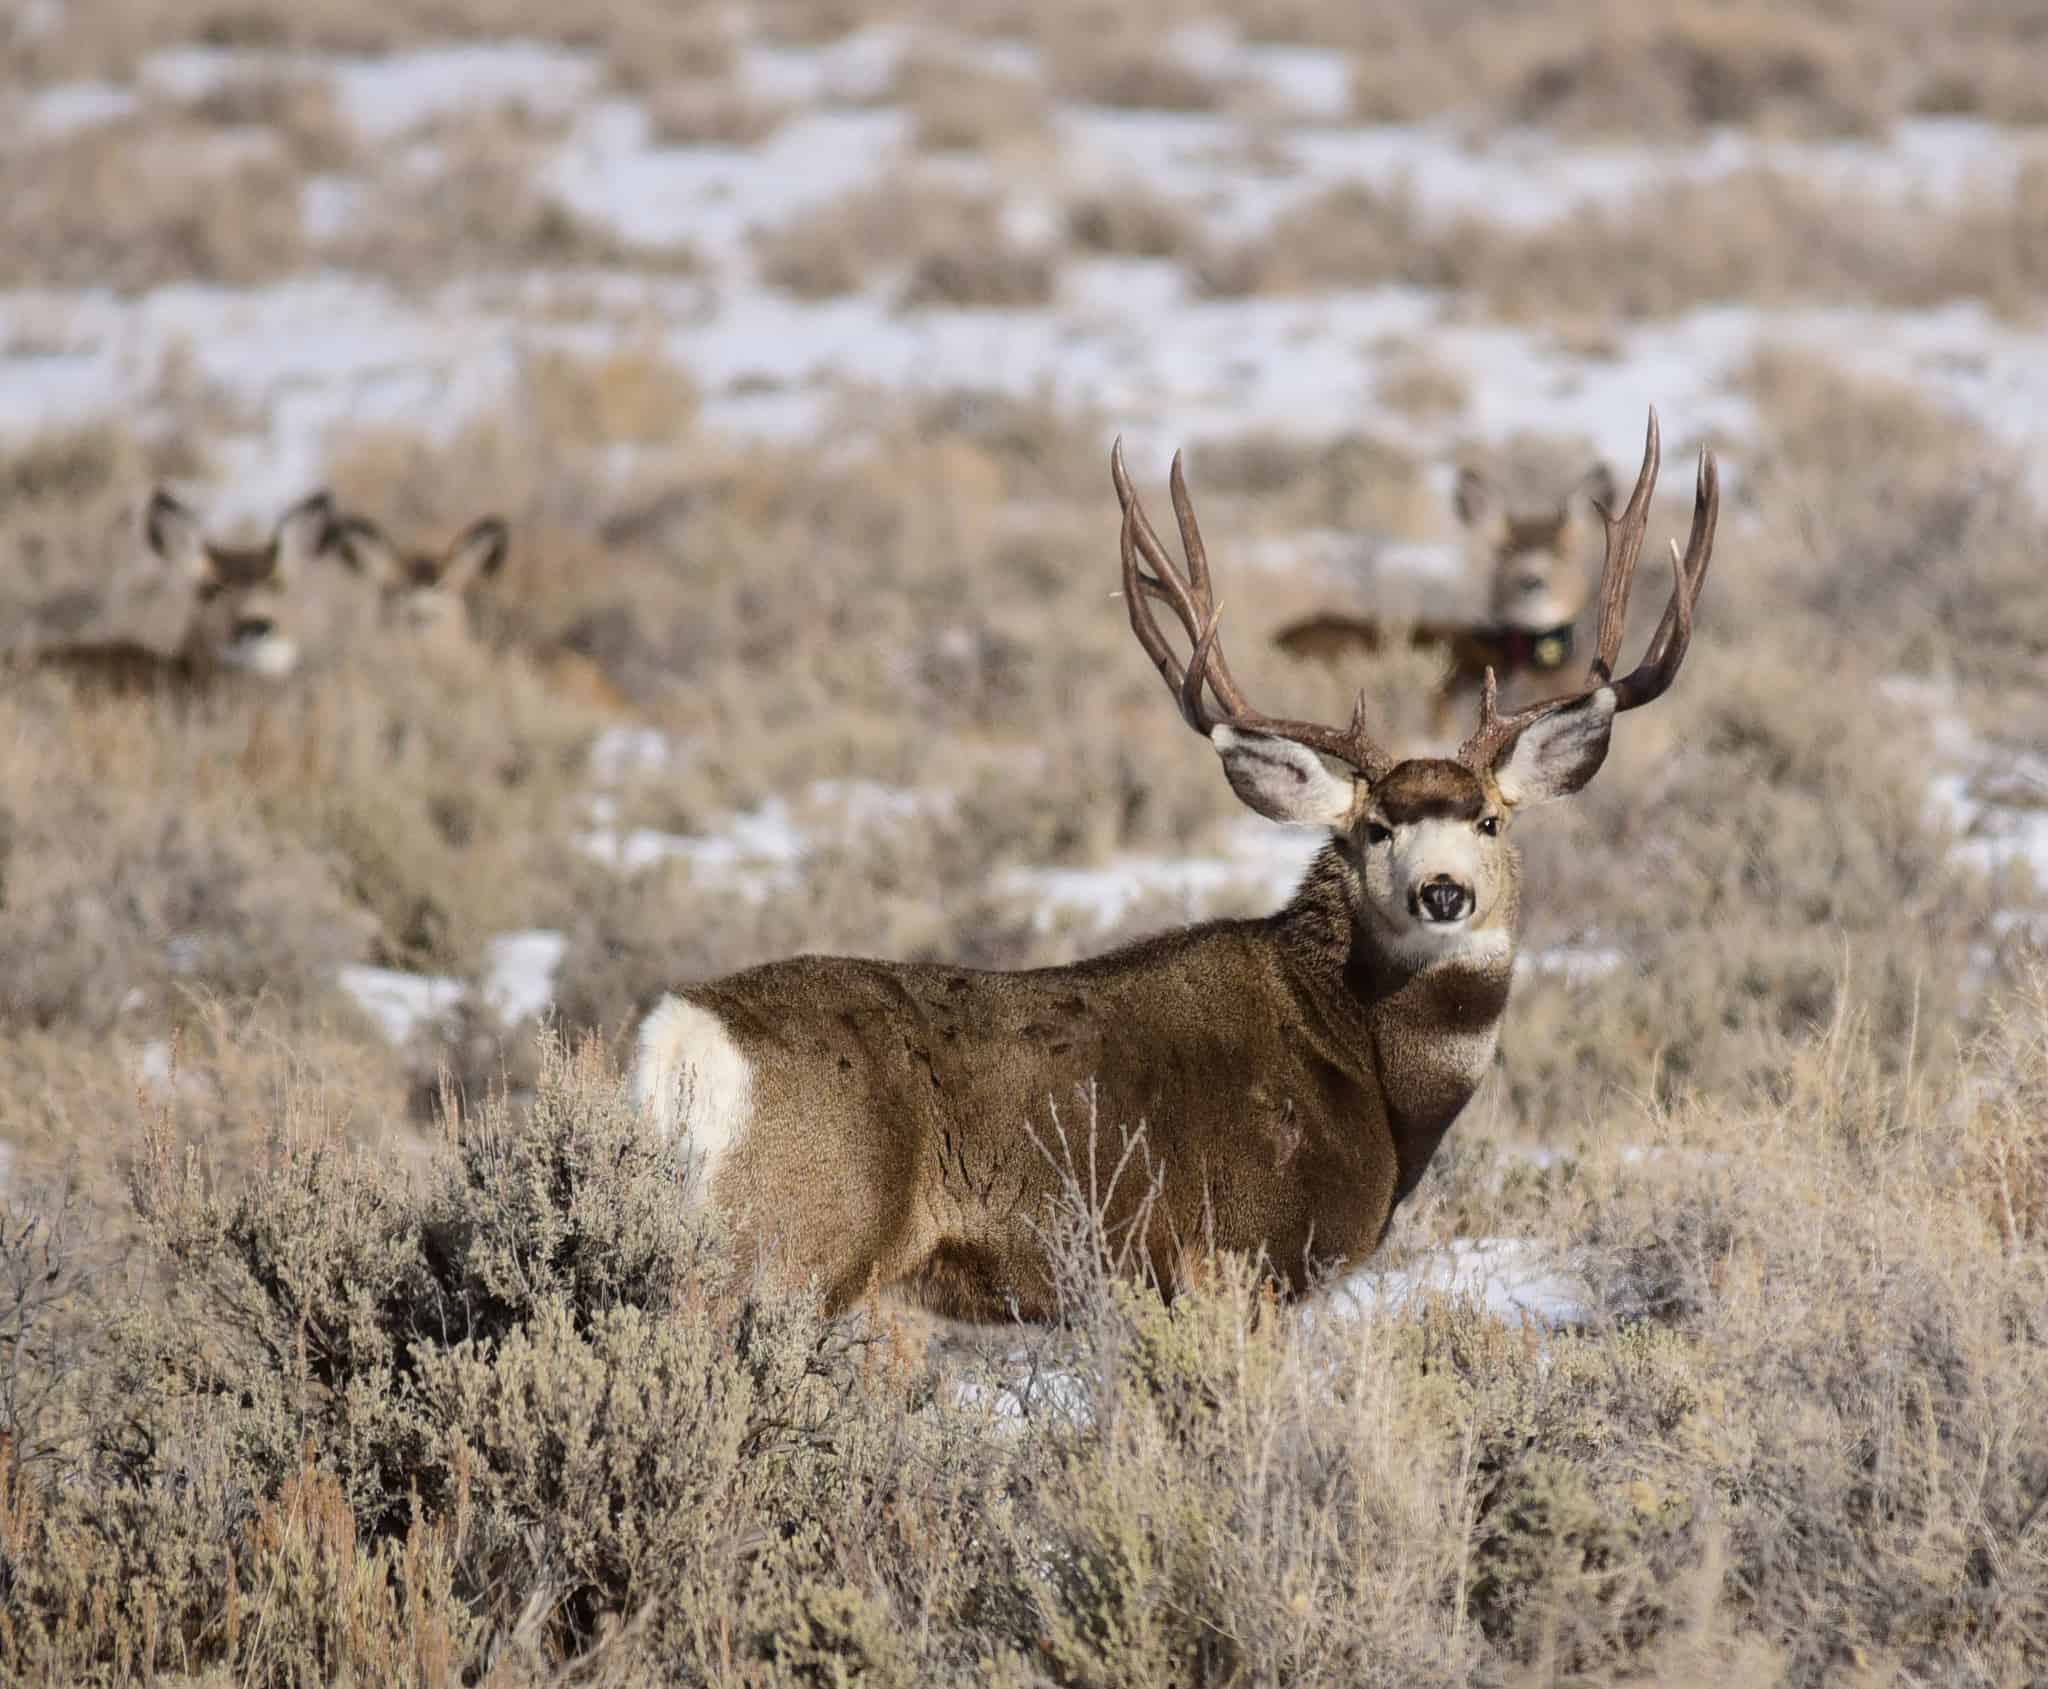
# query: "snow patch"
[1576,965]
[623,752]
[71,106]
[400,1003]
[519,974]
[1511,1278]
[1258,856]
[759,851]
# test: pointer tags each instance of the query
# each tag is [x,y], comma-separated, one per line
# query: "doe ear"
[364,547]
[1558,753]
[171,531]
[1471,497]
[303,532]
[1282,780]
[477,553]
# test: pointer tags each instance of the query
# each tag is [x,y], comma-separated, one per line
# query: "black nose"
[1531,583]
[1445,900]
[254,627]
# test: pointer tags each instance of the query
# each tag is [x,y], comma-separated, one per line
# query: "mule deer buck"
[424,594]
[236,621]
[878,1123]
[1537,591]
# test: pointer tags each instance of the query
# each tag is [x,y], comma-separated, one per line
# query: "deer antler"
[1192,597]
[1652,677]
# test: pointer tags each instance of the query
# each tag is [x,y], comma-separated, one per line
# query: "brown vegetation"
[948,245]
[1759,237]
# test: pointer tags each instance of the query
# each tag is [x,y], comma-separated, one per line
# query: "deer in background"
[881,1123]
[424,594]
[237,622]
[1537,591]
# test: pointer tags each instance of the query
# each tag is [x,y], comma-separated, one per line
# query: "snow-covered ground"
[314,357]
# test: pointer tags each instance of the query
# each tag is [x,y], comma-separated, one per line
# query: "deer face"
[1533,557]
[240,605]
[1432,874]
[422,594]
[1422,842]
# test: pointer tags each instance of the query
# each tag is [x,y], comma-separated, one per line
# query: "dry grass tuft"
[144,201]
[949,246]
[1760,237]
[300,111]
[1132,222]
[632,396]
[709,111]
[959,106]
[1423,386]
[1130,71]
[476,202]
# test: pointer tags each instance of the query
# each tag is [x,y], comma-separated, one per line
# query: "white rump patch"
[690,1076]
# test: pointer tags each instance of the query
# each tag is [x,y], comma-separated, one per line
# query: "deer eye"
[1376,834]
[1489,825]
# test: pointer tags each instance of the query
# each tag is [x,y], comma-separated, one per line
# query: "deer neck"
[1422,1034]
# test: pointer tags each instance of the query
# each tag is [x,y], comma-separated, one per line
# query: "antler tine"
[1221,681]
[1624,550]
[1192,597]
[1165,581]
[1653,676]
[1137,590]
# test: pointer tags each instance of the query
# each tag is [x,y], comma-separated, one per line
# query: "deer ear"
[171,531]
[1471,497]
[1282,780]
[1558,753]
[363,546]
[477,553]
[302,533]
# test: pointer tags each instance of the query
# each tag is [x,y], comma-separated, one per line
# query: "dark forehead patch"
[241,565]
[1535,533]
[1429,789]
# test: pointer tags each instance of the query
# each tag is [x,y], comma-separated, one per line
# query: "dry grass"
[709,111]
[404,1413]
[633,396]
[958,105]
[1132,222]
[475,201]
[1128,69]
[948,245]
[1598,66]
[519,1410]
[383,1396]
[1423,386]
[1760,237]
[146,200]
